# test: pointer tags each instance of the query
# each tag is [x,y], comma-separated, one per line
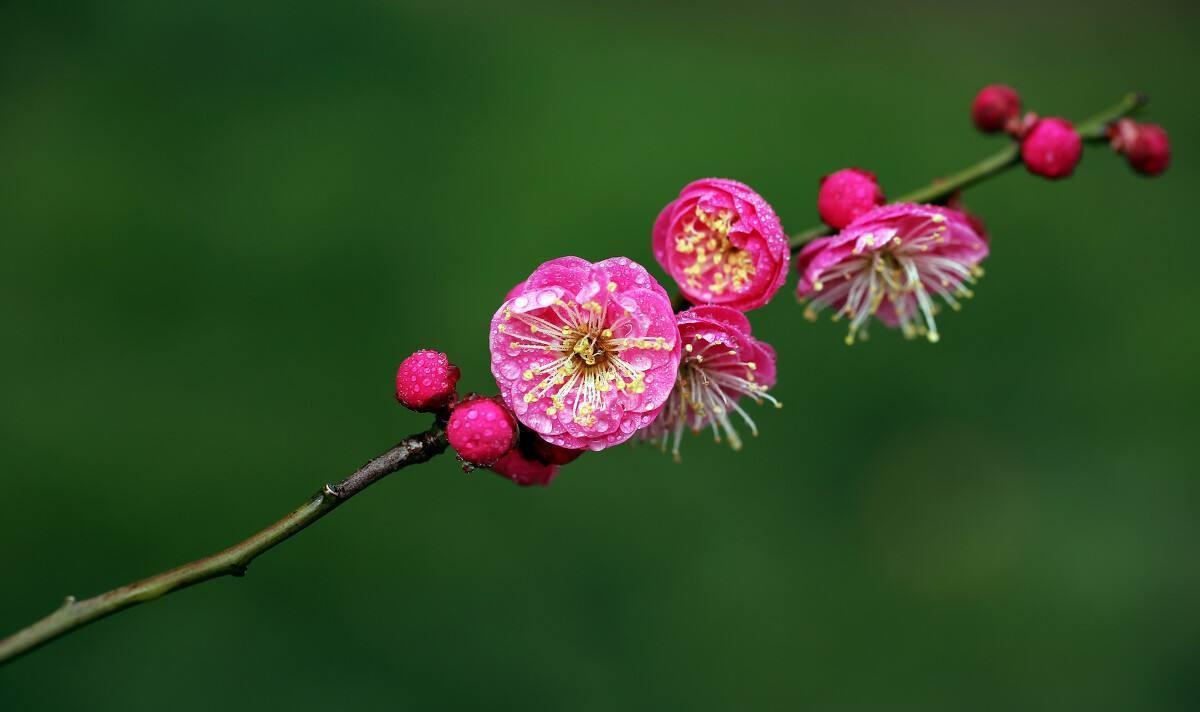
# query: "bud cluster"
[482,430]
[1051,147]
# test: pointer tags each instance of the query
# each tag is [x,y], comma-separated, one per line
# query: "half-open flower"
[891,263]
[586,354]
[723,244]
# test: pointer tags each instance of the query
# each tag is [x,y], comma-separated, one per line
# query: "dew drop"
[538,422]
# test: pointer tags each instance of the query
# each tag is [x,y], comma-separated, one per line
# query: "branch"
[423,447]
[1091,130]
[230,562]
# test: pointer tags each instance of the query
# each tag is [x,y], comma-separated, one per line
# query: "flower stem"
[1091,130]
[233,561]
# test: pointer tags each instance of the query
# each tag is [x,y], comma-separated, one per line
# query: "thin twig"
[233,561]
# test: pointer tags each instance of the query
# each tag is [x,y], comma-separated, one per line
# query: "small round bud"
[1148,150]
[994,107]
[481,430]
[425,381]
[524,470]
[845,195]
[1052,148]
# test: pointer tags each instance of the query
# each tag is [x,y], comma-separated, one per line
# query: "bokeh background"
[223,225]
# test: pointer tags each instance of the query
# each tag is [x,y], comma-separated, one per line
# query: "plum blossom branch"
[588,356]
[73,614]
[1093,129]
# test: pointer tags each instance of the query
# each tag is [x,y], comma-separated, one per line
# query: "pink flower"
[721,363]
[889,263]
[723,244]
[586,354]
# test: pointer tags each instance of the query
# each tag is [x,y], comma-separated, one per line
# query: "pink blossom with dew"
[890,263]
[586,354]
[723,244]
[721,363]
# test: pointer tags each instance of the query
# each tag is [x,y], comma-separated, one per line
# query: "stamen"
[717,264]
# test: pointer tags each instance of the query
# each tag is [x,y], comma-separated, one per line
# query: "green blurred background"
[224,224]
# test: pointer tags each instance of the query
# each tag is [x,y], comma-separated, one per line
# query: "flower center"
[717,264]
[583,346]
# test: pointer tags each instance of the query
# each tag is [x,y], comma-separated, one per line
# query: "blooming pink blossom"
[721,363]
[586,354]
[890,263]
[723,244]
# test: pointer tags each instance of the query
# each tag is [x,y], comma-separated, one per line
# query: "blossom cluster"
[588,355]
